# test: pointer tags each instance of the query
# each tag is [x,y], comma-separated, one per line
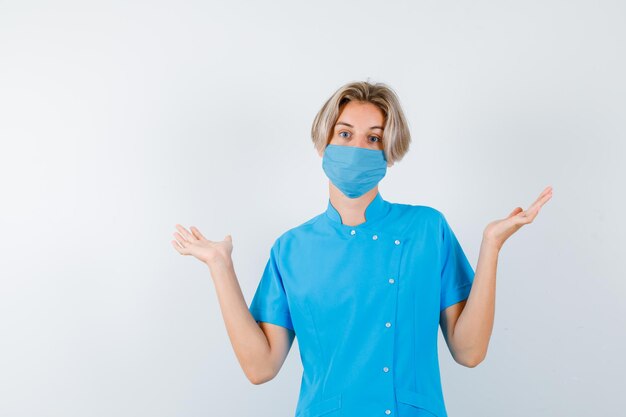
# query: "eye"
[341,133]
[375,137]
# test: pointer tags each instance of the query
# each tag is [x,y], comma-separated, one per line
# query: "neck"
[351,210]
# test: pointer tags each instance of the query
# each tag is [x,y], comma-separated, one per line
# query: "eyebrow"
[349,125]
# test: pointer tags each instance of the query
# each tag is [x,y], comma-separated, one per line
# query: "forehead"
[361,113]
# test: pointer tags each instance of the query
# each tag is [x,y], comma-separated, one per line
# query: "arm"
[260,349]
[467,325]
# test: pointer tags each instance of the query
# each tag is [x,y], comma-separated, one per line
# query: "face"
[359,124]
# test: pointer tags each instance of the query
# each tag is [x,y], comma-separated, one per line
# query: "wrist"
[490,244]
[220,265]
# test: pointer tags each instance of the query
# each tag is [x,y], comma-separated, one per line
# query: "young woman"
[365,284]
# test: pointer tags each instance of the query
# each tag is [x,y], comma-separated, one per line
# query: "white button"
[375,237]
[387,411]
[352,232]
[391,280]
[386,369]
[388,324]
[397,242]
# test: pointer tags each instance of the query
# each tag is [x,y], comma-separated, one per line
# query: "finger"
[535,203]
[181,240]
[541,200]
[538,204]
[514,212]
[185,233]
[548,189]
[529,212]
[197,233]
[176,246]
[544,196]
[529,215]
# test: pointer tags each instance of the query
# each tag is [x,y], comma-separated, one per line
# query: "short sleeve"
[269,303]
[457,275]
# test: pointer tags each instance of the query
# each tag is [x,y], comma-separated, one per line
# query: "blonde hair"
[396,135]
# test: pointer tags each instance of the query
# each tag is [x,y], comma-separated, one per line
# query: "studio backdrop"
[120,119]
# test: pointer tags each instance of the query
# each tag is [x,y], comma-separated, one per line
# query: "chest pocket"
[330,407]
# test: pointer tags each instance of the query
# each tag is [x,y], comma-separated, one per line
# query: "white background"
[120,119]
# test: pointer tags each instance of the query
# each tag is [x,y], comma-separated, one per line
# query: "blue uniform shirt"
[364,302]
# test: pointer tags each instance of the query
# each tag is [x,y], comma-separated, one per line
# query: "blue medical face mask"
[354,170]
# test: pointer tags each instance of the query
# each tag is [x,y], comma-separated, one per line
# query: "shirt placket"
[391,306]
[395,245]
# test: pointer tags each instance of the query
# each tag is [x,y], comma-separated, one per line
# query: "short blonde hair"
[396,135]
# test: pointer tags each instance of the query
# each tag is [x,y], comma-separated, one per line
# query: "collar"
[375,210]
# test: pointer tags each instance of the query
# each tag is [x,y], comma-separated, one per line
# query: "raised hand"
[498,231]
[208,251]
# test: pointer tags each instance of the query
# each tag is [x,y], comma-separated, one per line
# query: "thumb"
[515,211]
[229,238]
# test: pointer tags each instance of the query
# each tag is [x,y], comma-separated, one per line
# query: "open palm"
[195,244]
[498,231]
